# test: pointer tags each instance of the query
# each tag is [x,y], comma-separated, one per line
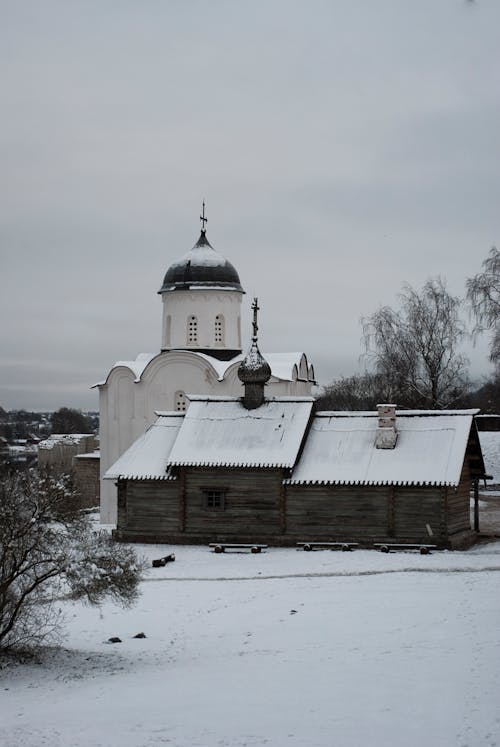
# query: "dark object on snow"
[114,639]
[139,635]
[163,561]
[293,612]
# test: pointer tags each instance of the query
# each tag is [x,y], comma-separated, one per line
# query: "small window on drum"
[214,499]
[192,330]
[180,402]
[219,329]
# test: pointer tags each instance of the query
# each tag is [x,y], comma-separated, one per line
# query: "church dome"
[254,369]
[201,267]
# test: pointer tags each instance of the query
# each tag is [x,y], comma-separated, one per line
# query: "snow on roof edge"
[169,414]
[280,361]
[230,398]
[380,483]
[207,463]
[137,476]
[401,413]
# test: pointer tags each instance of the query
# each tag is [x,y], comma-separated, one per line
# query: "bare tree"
[483,294]
[47,550]
[415,348]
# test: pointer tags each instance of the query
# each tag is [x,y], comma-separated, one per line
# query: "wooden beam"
[182,499]
[476,505]
[283,506]
[391,511]
[443,523]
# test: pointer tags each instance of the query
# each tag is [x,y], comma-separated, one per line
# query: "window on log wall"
[214,499]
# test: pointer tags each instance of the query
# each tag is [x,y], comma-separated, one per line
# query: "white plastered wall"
[205,305]
[128,407]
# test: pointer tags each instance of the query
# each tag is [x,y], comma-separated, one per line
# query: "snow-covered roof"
[220,432]
[63,438]
[137,366]
[430,449]
[282,364]
[490,446]
[148,456]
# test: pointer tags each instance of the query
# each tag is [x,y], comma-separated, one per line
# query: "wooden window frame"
[214,499]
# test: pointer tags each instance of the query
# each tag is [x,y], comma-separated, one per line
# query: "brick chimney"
[387,433]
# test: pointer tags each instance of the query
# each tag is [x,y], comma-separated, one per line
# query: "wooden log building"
[251,470]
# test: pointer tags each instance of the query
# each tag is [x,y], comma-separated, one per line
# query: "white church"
[201,349]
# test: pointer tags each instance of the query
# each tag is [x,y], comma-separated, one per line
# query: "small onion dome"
[254,369]
[201,267]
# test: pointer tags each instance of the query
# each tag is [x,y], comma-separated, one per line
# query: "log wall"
[148,510]
[458,504]
[416,507]
[258,507]
[330,512]
[251,505]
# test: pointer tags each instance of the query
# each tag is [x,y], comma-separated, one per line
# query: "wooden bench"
[344,546]
[394,546]
[223,546]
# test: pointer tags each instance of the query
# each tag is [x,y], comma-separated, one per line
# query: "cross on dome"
[255,308]
[202,217]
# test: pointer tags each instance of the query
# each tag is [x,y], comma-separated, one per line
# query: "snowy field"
[283,648]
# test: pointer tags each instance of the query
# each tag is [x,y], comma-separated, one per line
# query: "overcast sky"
[343,148]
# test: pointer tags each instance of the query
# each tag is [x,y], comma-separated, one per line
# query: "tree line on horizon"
[21,424]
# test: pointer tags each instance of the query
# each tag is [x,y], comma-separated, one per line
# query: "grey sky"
[342,148]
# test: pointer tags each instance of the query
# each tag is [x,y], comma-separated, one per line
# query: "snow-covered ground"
[283,648]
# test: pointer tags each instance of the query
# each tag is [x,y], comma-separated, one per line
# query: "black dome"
[201,267]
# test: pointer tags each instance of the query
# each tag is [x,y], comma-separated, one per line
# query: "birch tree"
[416,348]
[483,294]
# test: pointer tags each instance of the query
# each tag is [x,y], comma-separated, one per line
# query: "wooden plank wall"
[148,507]
[458,504]
[258,507]
[336,512]
[252,504]
[414,508]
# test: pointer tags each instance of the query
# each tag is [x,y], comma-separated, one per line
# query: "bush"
[49,550]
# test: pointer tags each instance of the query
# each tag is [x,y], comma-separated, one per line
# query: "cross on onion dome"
[255,308]
[202,217]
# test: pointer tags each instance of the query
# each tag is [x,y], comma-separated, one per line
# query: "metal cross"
[203,219]
[255,308]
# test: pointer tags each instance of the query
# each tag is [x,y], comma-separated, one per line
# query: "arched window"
[192,330]
[180,402]
[219,329]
